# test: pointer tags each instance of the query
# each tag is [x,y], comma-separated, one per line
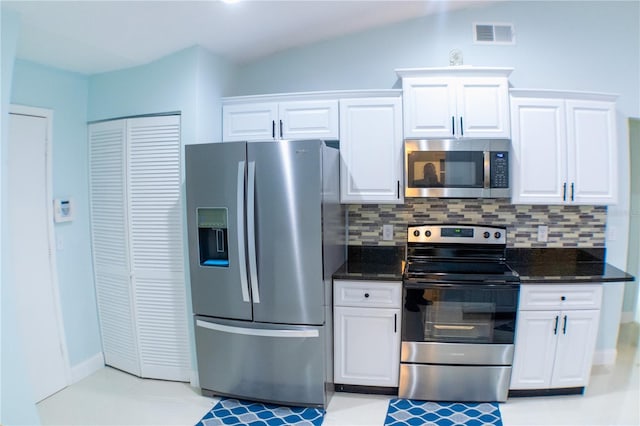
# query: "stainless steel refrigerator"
[266,232]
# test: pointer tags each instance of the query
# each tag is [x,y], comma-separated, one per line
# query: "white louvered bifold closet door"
[151,243]
[108,189]
[157,259]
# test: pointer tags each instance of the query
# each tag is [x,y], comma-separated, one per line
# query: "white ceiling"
[91,37]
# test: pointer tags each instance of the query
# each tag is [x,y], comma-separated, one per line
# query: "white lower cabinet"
[555,341]
[367,333]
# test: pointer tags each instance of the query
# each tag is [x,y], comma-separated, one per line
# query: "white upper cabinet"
[564,148]
[456,102]
[371,150]
[249,122]
[264,121]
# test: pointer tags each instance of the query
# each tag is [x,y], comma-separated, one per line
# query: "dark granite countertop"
[376,263]
[564,266]
[534,265]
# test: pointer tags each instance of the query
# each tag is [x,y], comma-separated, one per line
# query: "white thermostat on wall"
[63,209]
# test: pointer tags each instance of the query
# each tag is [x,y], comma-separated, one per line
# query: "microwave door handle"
[244,284]
[487,169]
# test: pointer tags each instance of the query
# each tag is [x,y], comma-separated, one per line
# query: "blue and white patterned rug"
[238,412]
[405,412]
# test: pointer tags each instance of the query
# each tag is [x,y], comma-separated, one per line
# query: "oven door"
[469,315]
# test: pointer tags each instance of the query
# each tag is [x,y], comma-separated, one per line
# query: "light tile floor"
[110,397]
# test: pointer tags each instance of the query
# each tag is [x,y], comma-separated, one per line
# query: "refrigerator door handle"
[257,331]
[251,230]
[244,284]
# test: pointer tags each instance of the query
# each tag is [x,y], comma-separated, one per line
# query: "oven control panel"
[456,234]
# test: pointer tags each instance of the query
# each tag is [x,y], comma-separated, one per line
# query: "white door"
[109,238]
[539,161]
[156,247]
[592,149]
[249,122]
[577,333]
[308,119]
[483,108]
[30,235]
[367,346]
[371,150]
[430,107]
[536,340]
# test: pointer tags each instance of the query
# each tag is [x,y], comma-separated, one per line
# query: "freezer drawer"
[264,362]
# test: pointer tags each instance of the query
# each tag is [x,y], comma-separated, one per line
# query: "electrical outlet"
[387,232]
[543,233]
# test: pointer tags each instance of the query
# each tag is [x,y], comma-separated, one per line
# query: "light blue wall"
[189,81]
[566,45]
[66,94]
[16,396]
[590,46]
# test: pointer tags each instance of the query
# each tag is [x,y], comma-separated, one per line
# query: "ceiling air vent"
[493,34]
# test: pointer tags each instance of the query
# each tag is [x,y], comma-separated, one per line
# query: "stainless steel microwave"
[457,168]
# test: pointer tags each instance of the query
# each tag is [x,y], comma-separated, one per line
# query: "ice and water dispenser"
[213,237]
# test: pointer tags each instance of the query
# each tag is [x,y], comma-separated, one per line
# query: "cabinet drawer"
[543,297]
[380,294]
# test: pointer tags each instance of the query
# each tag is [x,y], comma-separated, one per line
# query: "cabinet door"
[371,151]
[577,333]
[429,107]
[249,122]
[591,144]
[308,119]
[538,163]
[367,346]
[483,108]
[535,347]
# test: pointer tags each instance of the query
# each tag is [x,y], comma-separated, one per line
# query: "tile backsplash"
[569,226]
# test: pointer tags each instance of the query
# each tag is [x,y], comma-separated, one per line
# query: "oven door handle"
[462,285]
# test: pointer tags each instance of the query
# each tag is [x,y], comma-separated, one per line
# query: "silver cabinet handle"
[251,231]
[564,191]
[244,284]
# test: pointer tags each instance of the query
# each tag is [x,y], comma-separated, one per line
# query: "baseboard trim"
[87,367]
[195,382]
[605,357]
[626,317]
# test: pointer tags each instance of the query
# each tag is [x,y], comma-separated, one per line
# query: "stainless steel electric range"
[459,314]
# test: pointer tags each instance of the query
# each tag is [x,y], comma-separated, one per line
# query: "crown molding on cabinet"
[456,71]
[312,96]
[566,94]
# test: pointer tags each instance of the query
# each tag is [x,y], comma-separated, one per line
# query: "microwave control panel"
[499,169]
